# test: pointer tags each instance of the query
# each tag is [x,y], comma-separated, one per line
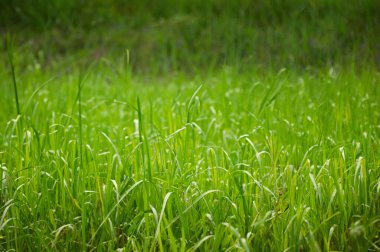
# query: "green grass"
[195,36]
[190,126]
[274,161]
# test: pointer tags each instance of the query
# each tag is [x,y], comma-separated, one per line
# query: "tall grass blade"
[10,57]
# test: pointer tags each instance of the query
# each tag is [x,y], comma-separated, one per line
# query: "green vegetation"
[190,126]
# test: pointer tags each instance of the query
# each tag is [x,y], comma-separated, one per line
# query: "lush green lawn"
[270,161]
[186,133]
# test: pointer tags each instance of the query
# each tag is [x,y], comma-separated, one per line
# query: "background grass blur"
[196,35]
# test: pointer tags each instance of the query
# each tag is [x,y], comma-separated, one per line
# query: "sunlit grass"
[189,126]
[250,161]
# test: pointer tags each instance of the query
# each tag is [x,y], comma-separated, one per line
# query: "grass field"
[175,139]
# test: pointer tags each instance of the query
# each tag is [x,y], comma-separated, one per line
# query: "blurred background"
[192,36]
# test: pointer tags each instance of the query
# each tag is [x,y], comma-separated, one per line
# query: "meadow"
[190,126]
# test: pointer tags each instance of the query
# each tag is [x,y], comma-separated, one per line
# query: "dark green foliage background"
[173,35]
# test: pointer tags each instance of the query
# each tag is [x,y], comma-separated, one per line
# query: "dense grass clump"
[279,161]
[200,125]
